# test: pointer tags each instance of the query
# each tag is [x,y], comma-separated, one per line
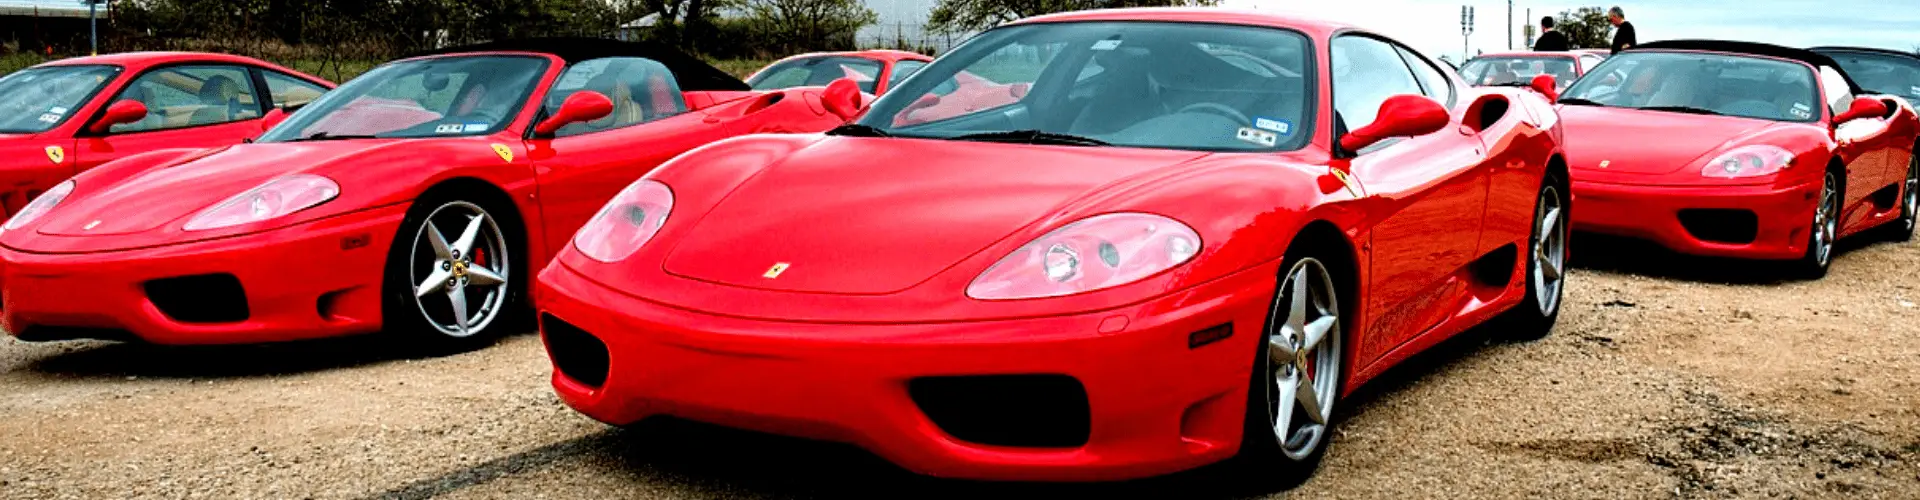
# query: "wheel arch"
[1343,259]
[492,196]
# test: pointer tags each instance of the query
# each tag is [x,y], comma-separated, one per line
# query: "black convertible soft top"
[691,73]
[1870,50]
[1815,59]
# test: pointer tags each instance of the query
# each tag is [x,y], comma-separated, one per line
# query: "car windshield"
[434,97]
[1517,70]
[817,71]
[1882,73]
[1143,84]
[1702,83]
[38,99]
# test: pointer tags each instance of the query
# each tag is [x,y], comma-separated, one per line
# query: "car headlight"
[1102,251]
[1748,161]
[39,206]
[275,198]
[626,222]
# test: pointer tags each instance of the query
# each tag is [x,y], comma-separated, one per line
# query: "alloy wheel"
[1549,250]
[1303,359]
[1826,220]
[450,274]
[1912,201]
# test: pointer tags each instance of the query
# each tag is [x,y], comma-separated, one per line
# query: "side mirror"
[120,112]
[274,117]
[1546,86]
[1403,115]
[1862,107]
[582,106]
[842,98]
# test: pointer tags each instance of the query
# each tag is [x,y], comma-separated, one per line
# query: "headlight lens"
[626,222]
[1102,251]
[275,198]
[39,206]
[1748,161]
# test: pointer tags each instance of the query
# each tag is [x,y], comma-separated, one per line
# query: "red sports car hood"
[1638,142]
[171,192]
[876,216]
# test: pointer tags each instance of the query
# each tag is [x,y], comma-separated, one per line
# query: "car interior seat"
[219,101]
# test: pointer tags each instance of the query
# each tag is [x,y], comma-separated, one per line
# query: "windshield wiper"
[1684,109]
[1032,137]
[1576,101]
[325,136]
[858,130]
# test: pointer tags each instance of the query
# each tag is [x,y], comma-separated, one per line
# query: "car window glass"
[1366,72]
[41,98]
[290,92]
[1705,83]
[1839,94]
[190,96]
[642,90]
[1431,79]
[902,70]
[438,96]
[817,72]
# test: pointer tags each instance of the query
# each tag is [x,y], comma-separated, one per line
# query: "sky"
[1433,26]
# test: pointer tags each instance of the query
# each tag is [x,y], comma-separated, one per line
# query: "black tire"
[407,314]
[1824,230]
[1265,462]
[1534,318]
[1901,230]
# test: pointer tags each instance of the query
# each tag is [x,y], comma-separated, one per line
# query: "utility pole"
[1509,24]
[1466,32]
[93,26]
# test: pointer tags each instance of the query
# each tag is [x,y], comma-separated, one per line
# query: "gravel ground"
[1668,377]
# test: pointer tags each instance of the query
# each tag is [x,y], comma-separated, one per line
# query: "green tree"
[954,16]
[1585,27]
[796,25]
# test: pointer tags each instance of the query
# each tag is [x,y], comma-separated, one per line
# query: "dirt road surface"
[1667,378]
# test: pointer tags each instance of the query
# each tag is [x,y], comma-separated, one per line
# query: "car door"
[584,164]
[1865,146]
[1429,188]
[188,106]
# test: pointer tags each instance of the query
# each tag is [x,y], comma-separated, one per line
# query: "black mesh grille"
[1033,411]
[577,354]
[1721,225]
[206,298]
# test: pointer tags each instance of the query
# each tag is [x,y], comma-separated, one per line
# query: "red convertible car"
[1195,233]
[875,70]
[71,115]
[418,197]
[1737,149]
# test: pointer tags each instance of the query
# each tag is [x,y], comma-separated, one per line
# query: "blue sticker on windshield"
[1281,127]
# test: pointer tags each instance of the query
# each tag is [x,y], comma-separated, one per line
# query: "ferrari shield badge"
[1347,180]
[506,154]
[774,272]
[57,154]
[1605,163]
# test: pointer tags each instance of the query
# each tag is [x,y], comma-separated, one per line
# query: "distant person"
[1623,36]
[1550,40]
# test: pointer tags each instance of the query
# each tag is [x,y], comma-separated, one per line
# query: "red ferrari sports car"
[71,115]
[1194,233]
[875,70]
[1737,149]
[417,197]
[1517,69]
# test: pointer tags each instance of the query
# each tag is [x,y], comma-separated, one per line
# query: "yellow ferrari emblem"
[504,152]
[1347,180]
[57,154]
[774,272]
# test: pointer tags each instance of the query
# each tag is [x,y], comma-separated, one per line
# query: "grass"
[341,71]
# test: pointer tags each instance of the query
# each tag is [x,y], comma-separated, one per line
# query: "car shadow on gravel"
[1599,252]
[127,359]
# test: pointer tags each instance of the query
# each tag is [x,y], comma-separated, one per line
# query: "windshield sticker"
[1802,111]
[58,111]
[1257,136]
[1914,90]
[476,127]
[1281,127]
[1108,44]
[450,128]
[50,118]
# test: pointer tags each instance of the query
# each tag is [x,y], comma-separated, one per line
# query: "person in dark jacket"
[1623,36]
[1550,40]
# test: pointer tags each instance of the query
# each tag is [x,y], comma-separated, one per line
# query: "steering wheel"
[1217,109]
